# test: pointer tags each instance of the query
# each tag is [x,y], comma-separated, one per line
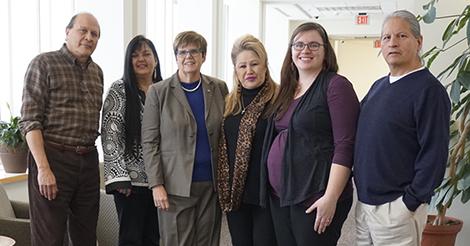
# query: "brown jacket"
[169,132]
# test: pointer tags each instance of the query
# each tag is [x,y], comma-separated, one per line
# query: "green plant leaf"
[452,66]
[438,198]
[464,183]
[431,59]
[10,134]
[429,52]
[443,185]
[468,31]
[459,91]
[426,6]
[450,195]
[463,77]
[455,92]
[462,19]
[432,53]
[465,196]
[430,16]
[449,32]
[458,108]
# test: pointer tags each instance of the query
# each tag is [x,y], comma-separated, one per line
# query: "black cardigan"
[309,148]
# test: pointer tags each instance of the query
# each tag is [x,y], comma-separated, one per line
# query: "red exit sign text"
[362,19]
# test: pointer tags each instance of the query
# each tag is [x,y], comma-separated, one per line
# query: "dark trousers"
[294,227]
[77,203]
[251,225]
[138,221]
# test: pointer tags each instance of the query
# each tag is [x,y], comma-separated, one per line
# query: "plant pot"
[442,235]
[14,160]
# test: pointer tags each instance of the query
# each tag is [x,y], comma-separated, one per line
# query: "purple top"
[343,121]
[276,153]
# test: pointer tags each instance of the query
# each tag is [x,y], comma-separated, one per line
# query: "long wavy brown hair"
[290,73]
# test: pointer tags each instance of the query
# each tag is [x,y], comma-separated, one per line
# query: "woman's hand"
[326,208]
[160,197]
[125,191]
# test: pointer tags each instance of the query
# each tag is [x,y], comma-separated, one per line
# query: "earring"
[154,74]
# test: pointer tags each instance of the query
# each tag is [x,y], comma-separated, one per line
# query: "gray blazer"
[169,132]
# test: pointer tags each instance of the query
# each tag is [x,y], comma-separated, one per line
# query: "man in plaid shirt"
[62,98]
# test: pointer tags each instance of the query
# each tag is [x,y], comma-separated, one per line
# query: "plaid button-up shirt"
[62,98]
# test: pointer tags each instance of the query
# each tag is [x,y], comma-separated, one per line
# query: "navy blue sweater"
[402,140]
[202,161]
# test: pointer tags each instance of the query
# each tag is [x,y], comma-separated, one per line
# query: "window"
[41,27]
[166,18]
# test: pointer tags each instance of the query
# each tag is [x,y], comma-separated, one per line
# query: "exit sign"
[362,19]
[377,43]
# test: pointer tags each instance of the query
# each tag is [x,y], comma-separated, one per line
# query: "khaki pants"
[191,221]
[389,224]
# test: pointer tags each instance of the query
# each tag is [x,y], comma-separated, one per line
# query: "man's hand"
[47,183]
[46,179]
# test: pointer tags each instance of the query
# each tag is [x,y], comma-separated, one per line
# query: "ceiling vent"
[351,9]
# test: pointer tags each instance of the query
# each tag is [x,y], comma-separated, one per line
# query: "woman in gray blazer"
[180,133]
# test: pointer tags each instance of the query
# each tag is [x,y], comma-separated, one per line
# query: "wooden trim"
[6,178]
[15,178]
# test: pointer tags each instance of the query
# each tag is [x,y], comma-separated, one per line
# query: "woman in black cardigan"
[241,143]
[309,143]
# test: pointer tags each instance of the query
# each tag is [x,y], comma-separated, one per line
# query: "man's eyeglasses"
[192,52]
[299,46]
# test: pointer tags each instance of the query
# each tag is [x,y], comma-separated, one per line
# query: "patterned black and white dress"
[121,169]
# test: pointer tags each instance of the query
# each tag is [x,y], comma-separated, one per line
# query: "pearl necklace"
[193,89]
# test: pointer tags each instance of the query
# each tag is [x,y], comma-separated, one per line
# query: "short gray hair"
[409,18]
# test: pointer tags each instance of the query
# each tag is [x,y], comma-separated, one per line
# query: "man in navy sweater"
[402,141]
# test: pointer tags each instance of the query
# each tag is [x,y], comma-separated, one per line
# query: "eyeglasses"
[299,46]
[192,52]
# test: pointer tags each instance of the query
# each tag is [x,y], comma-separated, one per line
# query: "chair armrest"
[18,229]
[21,209]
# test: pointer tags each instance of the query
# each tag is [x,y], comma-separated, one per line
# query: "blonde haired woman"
[244,124]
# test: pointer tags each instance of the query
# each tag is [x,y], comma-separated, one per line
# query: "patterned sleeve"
[113,138]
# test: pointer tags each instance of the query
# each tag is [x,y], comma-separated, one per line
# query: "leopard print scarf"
[230,196]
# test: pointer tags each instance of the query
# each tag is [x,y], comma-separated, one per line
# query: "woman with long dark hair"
[309,143]
[124,170]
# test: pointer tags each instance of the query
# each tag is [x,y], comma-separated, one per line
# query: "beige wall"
[360,62]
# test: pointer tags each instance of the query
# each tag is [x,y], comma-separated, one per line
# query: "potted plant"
[13,148]
[456,183]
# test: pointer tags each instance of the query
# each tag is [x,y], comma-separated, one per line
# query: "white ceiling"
[330,9]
